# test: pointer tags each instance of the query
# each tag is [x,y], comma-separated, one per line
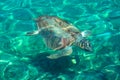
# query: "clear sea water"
[24,57]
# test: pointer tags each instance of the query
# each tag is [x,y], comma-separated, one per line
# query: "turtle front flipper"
[33,33]
[60,53]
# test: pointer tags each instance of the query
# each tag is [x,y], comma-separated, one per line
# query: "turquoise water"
[24,57]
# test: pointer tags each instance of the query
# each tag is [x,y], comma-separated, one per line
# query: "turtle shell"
[45,21]
[48,21]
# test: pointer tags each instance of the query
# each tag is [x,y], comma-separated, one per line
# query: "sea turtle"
[60,36]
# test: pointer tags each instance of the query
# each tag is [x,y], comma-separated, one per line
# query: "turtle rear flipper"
[60,53]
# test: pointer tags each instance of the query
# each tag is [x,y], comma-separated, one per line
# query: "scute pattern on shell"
[46,21]
[52,21]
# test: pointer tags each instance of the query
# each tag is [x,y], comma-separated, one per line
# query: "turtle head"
[84,44]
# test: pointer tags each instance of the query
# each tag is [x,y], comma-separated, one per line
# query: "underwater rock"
[11,68]
[17,70]
[90,75]
[112,72]
[6,57]
[4,61]
[22,14]
[33,72]
[115,42]
[5,43]
[116,2]
[114,18]
[12,5]
[20,45]
[3,16]
[26,46]
[114,14]
[85,1]
[63,77]
[56,66]
[22,26]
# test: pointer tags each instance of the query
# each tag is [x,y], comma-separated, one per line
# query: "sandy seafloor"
[24,57]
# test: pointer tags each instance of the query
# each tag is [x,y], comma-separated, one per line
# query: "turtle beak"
[85,44]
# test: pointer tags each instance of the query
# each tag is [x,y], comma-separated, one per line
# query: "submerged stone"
[90,75]
[112,72]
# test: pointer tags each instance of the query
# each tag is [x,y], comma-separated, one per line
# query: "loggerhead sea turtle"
[60,36]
